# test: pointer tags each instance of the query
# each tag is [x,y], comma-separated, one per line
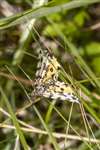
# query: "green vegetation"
[71,30]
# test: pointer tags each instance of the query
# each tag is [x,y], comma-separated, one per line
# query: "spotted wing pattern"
[47,68]
[46,82]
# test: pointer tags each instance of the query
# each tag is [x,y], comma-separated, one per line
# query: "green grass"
[61,27]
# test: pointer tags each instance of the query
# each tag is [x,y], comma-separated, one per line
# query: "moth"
[47,83]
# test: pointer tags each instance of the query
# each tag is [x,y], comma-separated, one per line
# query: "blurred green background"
[71,29]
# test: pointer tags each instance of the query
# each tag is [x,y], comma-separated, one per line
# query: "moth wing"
[62,91]
[47,68]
